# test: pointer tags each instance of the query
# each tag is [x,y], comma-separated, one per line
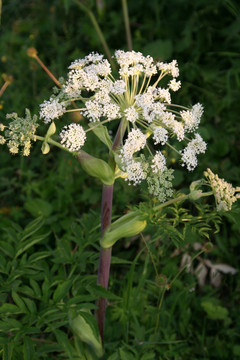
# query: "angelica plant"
[147,124]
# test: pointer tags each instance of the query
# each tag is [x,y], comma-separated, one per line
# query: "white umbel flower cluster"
[160,135]
[131,114]
[223,191]
[143,107]
[73,137]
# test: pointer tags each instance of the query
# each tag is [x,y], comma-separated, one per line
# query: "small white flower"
[192,117]
[118,87]
[135,172]
[135,141]
[174,85]
[73,137]
[159,162]
[51,109]
[131,114]
[164,95]
[160,135]
[111,111]
[171,68]
[94,110]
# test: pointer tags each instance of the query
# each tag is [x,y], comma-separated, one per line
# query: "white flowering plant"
[148,124]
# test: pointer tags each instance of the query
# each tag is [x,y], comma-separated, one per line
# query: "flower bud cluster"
[19,133]
[223,191]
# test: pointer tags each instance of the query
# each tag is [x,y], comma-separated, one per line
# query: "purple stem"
[105,255]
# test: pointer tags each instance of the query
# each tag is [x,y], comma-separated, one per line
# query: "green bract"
[96,167]
[85,328]
[128,225]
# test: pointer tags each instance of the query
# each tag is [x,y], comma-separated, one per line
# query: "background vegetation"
[49,216]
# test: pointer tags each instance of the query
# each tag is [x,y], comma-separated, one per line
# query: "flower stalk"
[105,256]
[127,25]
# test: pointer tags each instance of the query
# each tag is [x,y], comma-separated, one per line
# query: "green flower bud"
[45,148]
[128,225]
[96,167]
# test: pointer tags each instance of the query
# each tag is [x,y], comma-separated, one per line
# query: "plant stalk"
[127,24]
[105,254]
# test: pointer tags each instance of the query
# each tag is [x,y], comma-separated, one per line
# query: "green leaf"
[10,325]
[7,351]
[38,256]
[62,290]
[30,242]
[63,340]
[102,133]
[48,348]
[28,348]
[19,302]
[126,355]
[99,291]
[7,248]
[9,309]
[117,260]
[31,305]
[149,356]
[214,312]
[32,227]
[38,207]
[36,288]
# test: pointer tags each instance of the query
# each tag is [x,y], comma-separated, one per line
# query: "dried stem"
[47,71]
[8,80]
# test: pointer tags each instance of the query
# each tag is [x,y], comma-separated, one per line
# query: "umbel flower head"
[135,99]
